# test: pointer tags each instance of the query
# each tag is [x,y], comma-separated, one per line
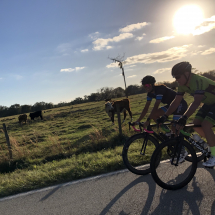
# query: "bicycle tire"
[133,160]
[167,175]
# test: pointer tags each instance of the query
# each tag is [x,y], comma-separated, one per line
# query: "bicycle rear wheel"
[135,158]
[171,176]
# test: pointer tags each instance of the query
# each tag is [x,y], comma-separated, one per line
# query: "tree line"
[101,95]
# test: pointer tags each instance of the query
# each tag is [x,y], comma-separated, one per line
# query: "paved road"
[120,193]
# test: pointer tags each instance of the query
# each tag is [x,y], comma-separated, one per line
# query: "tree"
[78,100]
[132,90]
[93,97]
[26,108]
[210,74]
[14,109]
[118,92]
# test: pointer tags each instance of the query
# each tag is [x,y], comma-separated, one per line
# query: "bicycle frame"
[147,132]
[194,143]
[185,135]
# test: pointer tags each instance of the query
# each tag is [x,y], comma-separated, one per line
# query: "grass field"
[71,142]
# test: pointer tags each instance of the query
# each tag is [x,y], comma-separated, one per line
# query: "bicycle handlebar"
[163,126]
[140,125]
[149,129]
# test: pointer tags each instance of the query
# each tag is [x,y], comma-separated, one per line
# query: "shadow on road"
[178,201]
[148,202]
[186,199]
[50,193]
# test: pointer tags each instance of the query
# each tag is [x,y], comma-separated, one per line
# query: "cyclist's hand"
[136,123]
[181,122]
[162,119]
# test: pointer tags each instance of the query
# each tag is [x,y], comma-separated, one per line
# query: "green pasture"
[71,142]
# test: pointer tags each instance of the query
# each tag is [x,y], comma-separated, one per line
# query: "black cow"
[22,118]
[36,114]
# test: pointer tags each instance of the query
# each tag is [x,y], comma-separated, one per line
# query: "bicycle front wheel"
[168,174]
[137,152]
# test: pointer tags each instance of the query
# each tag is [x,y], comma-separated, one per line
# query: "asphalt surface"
[120,193]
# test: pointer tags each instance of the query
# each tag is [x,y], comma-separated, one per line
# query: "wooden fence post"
[119,119]
[8,141]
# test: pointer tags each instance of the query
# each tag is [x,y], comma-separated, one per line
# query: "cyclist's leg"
[200,116]
[199,130]
[206,117]
[160,112]
[178,113]
[207,125]
[176,116]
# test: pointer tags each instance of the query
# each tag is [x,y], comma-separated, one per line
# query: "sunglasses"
[177,77]
[147,85]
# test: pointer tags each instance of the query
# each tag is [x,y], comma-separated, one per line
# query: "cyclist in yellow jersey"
[203,90]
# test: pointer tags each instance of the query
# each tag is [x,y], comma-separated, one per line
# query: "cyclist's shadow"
[151,191]
[178,201]
[212,172]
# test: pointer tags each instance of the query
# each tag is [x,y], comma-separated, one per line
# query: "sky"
[58,50]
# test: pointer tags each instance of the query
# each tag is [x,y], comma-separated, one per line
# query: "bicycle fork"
[176,151]
[143,149]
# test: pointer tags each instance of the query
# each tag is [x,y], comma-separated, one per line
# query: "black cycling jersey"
[163,93]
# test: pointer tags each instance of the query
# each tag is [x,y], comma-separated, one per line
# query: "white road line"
[62,185]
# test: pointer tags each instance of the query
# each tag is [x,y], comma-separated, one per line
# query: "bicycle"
[138,148]
[165,169]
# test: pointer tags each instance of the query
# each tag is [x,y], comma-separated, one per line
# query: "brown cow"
[23,118]
[110,108]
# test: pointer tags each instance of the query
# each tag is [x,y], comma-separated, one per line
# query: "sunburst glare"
[187,18]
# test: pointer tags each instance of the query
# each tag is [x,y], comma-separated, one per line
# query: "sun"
[187,18]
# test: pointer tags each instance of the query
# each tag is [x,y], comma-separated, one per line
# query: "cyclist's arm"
[192,108]
[174,105]
[155,108]
[145,110]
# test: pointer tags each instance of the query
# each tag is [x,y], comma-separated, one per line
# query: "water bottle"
[198,139]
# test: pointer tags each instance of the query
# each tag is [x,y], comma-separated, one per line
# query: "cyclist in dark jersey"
[203,90]
[162,94]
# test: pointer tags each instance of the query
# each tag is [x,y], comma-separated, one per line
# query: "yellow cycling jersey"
[202,86]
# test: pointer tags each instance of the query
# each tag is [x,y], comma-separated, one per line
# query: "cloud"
[112,65]
[17,77]
[134,27]
[132,76]
[195,52]
[84,50]
[109,47]
[71,70]
[159,71]
[64,48]
[94,36]
[208,51]
[138,38]
[129,66]
[206,26]
[171,54]
[160,40]
[100,43]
